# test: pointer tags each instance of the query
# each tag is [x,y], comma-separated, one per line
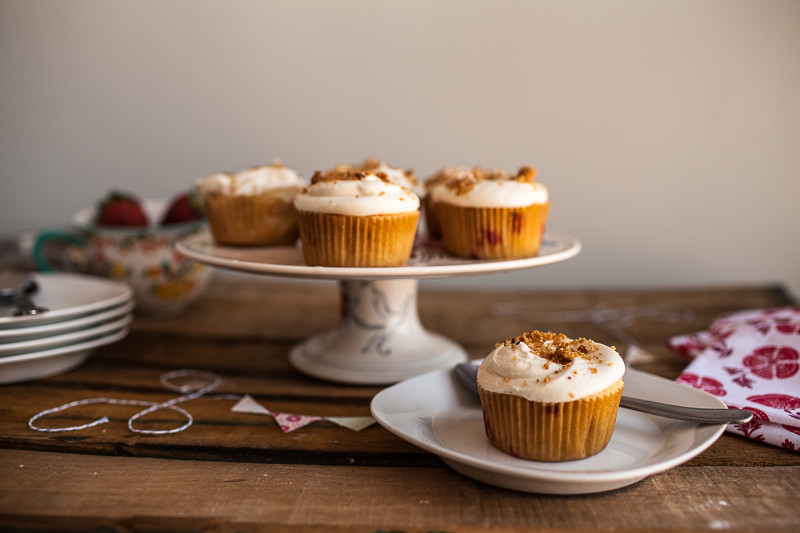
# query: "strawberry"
[185,207]
[121,209]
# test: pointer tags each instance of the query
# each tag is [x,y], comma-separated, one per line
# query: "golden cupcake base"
[560,431]
[334,240]
[267,219]
[492,232]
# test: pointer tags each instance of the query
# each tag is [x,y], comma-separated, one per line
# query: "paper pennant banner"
[248,405]
[356,423]
[289,422]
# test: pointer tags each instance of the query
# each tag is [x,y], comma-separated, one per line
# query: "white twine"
[187,391]
[612,320]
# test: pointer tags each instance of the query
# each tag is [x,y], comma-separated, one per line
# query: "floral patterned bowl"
[164,281]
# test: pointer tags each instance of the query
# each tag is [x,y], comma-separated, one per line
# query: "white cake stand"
[380,339]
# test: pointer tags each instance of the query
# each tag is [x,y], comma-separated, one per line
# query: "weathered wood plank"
[86,493]
[217,433]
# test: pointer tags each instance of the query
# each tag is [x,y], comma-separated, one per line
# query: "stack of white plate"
[84,312]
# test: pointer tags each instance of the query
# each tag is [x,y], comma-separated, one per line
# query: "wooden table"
[234,471]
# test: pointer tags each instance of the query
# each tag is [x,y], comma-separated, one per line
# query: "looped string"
[188,393]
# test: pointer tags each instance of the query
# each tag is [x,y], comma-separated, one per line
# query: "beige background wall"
[668,132]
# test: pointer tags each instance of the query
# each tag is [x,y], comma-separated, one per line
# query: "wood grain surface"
[239,472]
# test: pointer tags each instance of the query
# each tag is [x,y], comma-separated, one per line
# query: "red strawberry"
[121,209]
[184,208]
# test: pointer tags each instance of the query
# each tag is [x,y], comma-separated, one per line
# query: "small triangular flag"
[356,423]
[289,422]
[248,405]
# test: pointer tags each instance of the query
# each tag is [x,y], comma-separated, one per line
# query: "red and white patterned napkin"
[751,360]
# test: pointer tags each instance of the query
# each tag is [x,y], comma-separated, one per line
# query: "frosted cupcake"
[489,214]
[252,207]
[356,219]
[432,185]
[547,397]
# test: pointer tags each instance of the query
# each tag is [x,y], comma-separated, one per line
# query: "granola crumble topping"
[372,165]
[555,347]
[462,183]
[345,175]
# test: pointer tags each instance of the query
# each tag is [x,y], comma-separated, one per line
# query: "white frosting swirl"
[366,196]
[253,180]
[494,193]
[398,176]
[517,369]
[401,177]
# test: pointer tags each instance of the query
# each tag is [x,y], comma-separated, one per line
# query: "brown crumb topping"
[345,175]
[462,183]
[555,347]
[526,175]
[371,165]
[491,174]
[442,176]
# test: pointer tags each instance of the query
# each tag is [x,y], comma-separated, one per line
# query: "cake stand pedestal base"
[380,339]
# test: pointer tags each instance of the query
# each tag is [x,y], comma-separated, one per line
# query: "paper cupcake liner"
[266,219]
[561,431]
[357,241]
[431,218]
[492,232]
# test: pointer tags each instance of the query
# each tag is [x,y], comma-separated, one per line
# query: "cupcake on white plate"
[252,207]
[546,397]
[356,219]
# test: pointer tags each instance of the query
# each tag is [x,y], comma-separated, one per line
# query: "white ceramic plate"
[426,261]
[68,296]
[73,337]
[59,328]
[35,365]
[434,412]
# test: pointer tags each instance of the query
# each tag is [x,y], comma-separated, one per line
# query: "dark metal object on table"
[17,288]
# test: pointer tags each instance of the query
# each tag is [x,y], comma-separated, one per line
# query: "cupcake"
[489,214]
[546,397]
[356,219]
[252,207]
[432,185]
